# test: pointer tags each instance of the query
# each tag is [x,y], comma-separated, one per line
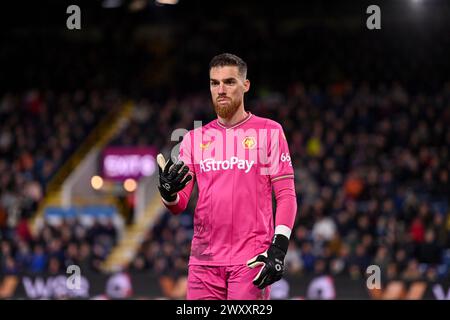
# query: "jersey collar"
[237,124]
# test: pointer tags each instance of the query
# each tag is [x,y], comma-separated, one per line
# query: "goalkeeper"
[238,248]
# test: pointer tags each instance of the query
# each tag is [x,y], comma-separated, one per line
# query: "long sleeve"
[282,178]
[286,200]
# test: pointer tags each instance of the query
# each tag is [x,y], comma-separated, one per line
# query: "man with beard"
[238,248]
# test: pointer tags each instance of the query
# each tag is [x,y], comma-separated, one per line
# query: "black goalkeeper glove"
[172,178]
[272,261]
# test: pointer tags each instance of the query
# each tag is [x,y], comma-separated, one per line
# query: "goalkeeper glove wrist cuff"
[281,242]
[173,202]
[168,198]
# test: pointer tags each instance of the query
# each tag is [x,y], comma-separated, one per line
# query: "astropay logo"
[214,165]
[209,147]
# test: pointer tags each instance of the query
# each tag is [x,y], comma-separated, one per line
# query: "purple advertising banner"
[121,163]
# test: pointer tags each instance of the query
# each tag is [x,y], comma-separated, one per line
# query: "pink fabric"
[286,202]
[224,283]
[235,170]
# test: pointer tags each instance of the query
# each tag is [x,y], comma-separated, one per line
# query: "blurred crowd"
[57,247]
[372,170]
[166,247]
[371,166]
[39,131]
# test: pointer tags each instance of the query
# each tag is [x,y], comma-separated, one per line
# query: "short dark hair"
[228,59]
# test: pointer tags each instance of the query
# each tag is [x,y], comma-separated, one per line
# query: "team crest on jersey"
[249,142]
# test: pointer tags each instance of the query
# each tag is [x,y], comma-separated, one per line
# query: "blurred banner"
[121,163]
[147,286]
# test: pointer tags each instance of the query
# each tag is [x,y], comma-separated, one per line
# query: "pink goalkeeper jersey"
[234,169]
